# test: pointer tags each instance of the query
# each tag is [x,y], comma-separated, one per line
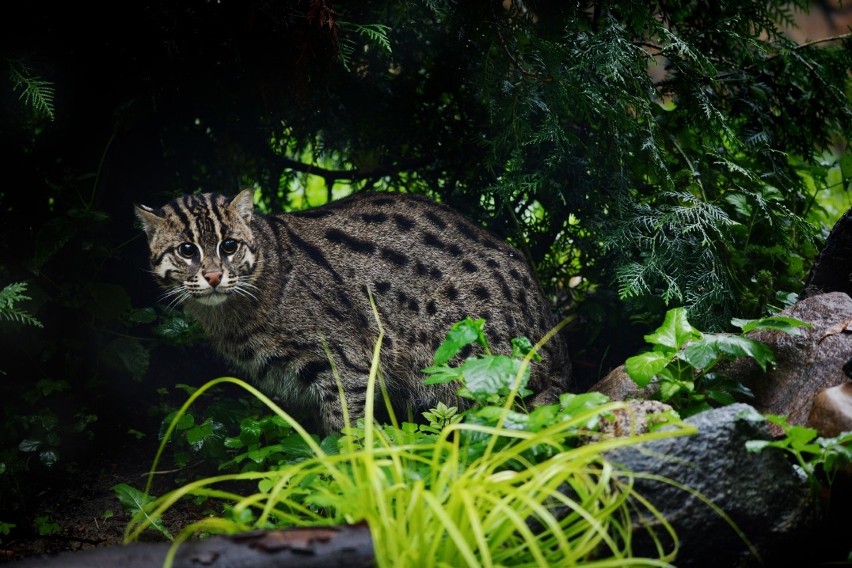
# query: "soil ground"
[88,512]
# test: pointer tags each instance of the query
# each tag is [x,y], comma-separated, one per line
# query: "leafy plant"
[136,503]
[490,378]
[818,457]
[449,493]
[9,296]
[682,360]
[34,91]
[429,502]
[46,526]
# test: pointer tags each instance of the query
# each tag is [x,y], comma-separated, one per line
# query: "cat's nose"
[213,277]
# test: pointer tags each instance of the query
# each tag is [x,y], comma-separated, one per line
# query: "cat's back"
[416,241]
[427,267]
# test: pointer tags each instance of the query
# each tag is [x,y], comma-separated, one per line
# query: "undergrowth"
[493,485]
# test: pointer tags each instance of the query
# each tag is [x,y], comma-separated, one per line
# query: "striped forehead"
[203,217]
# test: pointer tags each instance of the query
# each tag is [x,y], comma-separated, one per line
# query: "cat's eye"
[187,250]
[229,246]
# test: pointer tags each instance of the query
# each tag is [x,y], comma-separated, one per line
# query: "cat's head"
[202,247]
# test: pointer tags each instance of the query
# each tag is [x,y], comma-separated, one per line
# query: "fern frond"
[35,92]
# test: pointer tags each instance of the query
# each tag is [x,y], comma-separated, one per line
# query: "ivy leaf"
[645,366]
[675,331]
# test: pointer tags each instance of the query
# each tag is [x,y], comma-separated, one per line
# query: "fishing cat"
[285,297]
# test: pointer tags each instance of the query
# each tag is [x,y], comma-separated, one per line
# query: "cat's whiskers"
[180,293]
[240,289]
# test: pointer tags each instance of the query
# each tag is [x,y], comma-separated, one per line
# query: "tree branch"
[355,175]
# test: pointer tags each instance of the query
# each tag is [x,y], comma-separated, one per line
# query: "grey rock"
[762,493]
[618,385]
[805,364]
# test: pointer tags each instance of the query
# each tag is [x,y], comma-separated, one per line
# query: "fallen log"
[317,547]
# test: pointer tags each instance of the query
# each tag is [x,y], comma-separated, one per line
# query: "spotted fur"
[284,297]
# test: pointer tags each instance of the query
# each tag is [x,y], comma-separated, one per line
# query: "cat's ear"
[243,204]
[149,219]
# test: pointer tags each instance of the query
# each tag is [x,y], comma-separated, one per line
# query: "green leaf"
[730,346]
[461,334]
[571,404]
[513,420]
[441,374]
[701,354]
[134,502]
[129,355]
[198,435]
[776,323]
[645,366]
[144,315]
[492,374]
[757,445]
[675,331]
[521,346]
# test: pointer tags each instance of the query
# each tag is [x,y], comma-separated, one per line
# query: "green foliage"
[819,458]
[449,493]
[9,296]
[36,92]
[135,502]
[490,378]
[377,34]
[46,526]
[682,360]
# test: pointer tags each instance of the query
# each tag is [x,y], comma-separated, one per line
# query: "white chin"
[211,299]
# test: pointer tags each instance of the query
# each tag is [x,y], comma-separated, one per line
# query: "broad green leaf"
[134,501]
[131,498]
[675,331]
[250,431]
[701,354]
[490,374]
[777,323]
[512,421]
[198,435]
[572,404]
[645,366]
[461,334]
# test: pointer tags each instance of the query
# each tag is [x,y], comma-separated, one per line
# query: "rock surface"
[805,364]
[831,412]
[762,493]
